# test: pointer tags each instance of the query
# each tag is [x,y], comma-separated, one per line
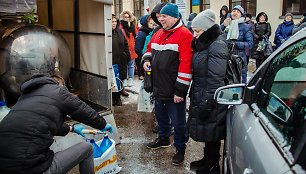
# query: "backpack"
[234,66]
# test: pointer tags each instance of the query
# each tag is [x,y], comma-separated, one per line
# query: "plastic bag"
[145,102]
[269,49]
[261,46]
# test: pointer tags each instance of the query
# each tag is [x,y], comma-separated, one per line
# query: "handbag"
[269,49]
[261,46]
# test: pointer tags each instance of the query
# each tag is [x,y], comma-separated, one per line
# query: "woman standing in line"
[261,30]
[129,30]
[206,122]
[121,57]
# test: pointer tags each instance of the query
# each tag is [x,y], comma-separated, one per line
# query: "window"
[118,7]
[248,5]
[282,99]
[199,5]
[295,7]
[138,8]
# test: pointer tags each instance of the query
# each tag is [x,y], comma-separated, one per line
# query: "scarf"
[233,29]
[206,38]
[128,29]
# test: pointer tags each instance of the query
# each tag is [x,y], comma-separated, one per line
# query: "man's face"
[167,21]
[114,23]
[288,18]
[236,14]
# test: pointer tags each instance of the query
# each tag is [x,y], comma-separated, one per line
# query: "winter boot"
[130,82]
[159,142]
[124,93]
[212,168]
[178,158]
[194,165]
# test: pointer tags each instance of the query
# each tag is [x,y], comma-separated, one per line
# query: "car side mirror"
[278,108]
[230,94]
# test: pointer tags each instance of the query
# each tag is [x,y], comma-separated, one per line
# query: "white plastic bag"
[145,102]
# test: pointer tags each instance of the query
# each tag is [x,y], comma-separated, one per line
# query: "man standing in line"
[169,57]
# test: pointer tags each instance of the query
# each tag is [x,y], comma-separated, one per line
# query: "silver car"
[266,122]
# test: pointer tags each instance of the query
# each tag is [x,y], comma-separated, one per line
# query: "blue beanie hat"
[170,10]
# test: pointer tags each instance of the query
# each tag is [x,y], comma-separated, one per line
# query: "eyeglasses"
[127,17]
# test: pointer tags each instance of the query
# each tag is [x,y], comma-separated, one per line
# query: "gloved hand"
[108,127]
[283,40]
[77,128]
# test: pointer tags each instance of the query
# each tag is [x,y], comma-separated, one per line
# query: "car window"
[282,99]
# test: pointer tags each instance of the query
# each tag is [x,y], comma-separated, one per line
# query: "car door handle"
[248,171]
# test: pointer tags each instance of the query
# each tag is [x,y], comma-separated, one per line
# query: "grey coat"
[206,120]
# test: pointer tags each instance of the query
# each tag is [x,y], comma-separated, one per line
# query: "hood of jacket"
[224,7]
[206,39]
[155,10]
[127,12]
[144,20]
[35,82]
[262,14]
[192,16]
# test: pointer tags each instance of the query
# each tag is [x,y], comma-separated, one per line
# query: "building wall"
[128,5]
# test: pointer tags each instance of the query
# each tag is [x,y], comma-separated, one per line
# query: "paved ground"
[135,130]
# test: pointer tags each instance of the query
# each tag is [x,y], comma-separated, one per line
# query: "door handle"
[248,171]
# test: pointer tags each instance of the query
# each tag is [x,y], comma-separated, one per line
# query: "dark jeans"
[139,66]
[169,113]
[244,69]
[80,154]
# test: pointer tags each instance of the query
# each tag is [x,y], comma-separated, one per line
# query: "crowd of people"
[176,54]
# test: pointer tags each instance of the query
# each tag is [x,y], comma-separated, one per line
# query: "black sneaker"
[159,142]
[194,165]
[178,158]
[209,169]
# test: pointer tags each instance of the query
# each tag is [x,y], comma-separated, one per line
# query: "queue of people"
[175,56]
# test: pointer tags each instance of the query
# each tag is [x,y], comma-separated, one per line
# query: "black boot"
[213,168]
[178,158]
[209,164]
[194,165]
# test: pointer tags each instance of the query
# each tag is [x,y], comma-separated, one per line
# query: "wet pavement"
[135,131]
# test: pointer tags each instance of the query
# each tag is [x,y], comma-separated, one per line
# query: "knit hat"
[238,7]
[170,10]
[289,14]
[204,20]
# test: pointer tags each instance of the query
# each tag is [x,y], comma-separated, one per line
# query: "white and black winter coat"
[206,120]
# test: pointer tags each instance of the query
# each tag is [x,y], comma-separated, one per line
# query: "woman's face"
[235,14]
[223,12]
[197,32]
[126,17]
[150,23]
[288,18]
[262,19]
[114,23]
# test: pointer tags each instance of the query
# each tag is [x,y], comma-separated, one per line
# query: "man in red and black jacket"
[169,57]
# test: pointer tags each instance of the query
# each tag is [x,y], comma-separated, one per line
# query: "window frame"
[301,10]
[202,4]
[262,98]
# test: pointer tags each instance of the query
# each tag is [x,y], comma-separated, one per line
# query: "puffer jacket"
[28,129]
[260,31]
[170,55]
[121,53]
[206,120]
[283,32]
[141,35]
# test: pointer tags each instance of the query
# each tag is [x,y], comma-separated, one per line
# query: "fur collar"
[207,38]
